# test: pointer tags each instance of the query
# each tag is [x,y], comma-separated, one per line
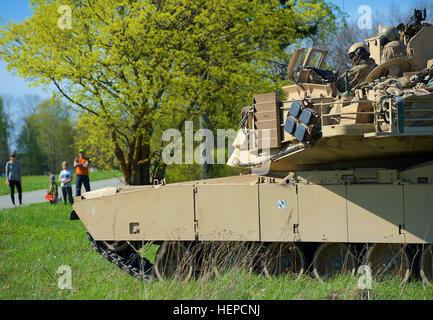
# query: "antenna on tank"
[344,25]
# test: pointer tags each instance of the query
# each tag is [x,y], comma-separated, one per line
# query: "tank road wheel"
[388,260]
[173,260]
[426,265]
[284,258]
[331,259]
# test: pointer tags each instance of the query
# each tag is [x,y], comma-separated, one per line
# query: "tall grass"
[36,240]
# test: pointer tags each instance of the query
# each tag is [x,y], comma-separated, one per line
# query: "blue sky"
[15,10]
[18,10]
[351,6]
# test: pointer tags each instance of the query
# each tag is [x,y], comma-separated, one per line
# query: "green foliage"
[55,134]
[31,183]
[30,156]
[4,135]
[98,145]
[189,172]
[129,66]
[46,139]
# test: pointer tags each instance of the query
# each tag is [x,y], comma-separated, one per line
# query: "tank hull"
[348,206]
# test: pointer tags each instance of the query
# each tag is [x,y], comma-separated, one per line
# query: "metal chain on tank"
[132,263]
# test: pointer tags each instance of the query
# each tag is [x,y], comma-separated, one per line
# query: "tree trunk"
[140,162]
[135,164]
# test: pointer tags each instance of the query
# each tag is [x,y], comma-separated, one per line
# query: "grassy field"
[36,240]
[31,183]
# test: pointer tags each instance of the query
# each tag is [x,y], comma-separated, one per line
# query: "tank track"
[129,261]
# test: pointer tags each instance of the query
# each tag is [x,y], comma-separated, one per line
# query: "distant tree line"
[45,138]
[5,127]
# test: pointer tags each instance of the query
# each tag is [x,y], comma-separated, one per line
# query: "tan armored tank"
[347,180]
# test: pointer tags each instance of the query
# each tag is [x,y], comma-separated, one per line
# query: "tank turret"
[385,121]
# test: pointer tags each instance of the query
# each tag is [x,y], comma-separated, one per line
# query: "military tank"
[344,179]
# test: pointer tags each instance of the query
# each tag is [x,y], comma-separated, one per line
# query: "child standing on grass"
[65,178]
[53,191]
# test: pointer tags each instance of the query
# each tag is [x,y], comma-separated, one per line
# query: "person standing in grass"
[65,178]
[53,190]
[13,178]
[82,165]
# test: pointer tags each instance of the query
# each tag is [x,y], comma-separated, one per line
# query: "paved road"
[38,195]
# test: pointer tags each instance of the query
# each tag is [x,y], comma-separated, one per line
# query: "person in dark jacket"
[13,178]
[359,56]
[391,45]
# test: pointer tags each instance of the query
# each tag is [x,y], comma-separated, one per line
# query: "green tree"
[30,155]
[55,133]
[131,66]
[46,139]
[4,135]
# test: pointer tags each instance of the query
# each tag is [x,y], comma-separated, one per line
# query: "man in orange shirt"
[82,165]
